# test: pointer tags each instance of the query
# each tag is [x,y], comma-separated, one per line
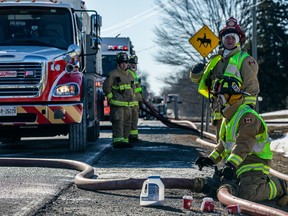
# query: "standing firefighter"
[133,137]
[230,61]
[244,145]
[119,89]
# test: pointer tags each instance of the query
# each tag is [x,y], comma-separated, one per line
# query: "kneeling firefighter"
[244,145]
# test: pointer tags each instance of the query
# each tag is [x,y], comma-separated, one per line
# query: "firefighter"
[119,89]
[244,145]
[230,61]
[133,137]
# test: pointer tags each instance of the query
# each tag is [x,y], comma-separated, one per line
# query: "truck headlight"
[69,89]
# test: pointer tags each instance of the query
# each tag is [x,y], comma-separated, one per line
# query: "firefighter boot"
[283,200]
[135,140]
[202,185]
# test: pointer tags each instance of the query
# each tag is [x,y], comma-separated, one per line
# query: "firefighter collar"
[228,53]
[229,111]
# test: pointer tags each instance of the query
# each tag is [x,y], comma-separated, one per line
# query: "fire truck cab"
[50,71]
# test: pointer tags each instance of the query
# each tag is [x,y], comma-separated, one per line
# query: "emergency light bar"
[117,48]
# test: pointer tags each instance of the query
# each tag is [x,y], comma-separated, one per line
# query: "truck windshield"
[35,26]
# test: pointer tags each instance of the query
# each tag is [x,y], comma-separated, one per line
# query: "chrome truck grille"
[20,80]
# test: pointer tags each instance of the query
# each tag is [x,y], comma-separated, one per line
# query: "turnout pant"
[256,186]
[134,122]
[120,118]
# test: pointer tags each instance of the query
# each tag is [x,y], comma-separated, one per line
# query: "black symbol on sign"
[204,41]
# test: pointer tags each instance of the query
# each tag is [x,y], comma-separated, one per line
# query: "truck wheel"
[93,132]
[78,134]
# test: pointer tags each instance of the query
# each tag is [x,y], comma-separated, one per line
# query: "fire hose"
[152,111]
[84,180]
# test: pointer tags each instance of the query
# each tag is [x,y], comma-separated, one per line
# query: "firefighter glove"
[203,161]
[197,68]
[228,172]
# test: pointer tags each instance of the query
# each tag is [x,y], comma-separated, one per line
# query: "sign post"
[204,41]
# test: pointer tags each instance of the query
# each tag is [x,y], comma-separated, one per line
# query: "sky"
[136,20]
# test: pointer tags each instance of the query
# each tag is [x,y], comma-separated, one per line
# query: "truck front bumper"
[41,114]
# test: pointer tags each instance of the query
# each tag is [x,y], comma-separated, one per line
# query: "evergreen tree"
[272,54]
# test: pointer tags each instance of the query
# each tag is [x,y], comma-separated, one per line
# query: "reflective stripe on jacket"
[122,87]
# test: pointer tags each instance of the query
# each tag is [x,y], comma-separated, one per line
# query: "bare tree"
[181,19]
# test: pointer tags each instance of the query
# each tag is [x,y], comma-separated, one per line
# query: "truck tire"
[78,132]
[78,135]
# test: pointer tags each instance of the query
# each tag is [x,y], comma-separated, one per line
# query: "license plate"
[8,111]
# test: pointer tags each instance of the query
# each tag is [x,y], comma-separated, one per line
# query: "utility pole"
[254,40]
[254,31]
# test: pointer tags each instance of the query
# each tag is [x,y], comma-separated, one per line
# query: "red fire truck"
[50,71]
[110,47]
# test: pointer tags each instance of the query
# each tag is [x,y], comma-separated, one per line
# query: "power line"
[136,19]
[133,20]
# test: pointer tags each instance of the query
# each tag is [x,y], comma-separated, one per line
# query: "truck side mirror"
[73,50]
[96,23]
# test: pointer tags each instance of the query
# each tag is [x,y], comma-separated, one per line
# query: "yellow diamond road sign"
[204,41]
